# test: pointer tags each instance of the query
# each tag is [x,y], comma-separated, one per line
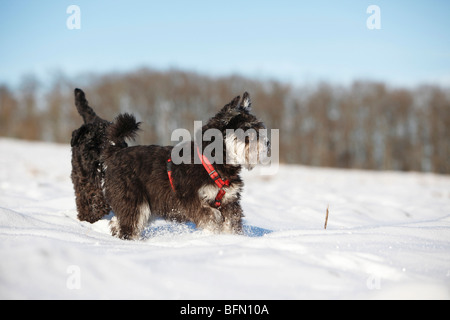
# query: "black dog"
[87,169]
[143,181]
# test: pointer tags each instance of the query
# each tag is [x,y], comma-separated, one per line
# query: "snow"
[388,237]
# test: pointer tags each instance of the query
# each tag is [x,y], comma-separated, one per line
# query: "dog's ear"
[229,111]
[232,105]
[246,103]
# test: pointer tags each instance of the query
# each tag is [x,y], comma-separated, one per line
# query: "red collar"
[213,174]
[169,172]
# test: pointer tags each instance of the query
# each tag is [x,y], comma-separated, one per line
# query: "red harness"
[169,172]
[213,174]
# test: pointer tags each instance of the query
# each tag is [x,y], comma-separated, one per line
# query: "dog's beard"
[247,150]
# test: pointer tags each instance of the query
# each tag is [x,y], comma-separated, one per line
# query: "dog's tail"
[83,107]
[124,127]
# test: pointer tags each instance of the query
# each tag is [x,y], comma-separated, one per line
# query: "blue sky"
[293,41]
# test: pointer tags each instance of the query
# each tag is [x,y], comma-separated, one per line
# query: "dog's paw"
[114,226]
[217,215]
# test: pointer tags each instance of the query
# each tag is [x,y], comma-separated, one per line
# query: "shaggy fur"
[137,185]
[87,170]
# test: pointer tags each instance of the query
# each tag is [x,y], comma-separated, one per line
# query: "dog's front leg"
[210,219]
[232,214]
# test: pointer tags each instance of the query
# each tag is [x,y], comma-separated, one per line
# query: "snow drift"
[388,236]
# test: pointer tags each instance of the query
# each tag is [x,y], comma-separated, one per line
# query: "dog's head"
[244,136]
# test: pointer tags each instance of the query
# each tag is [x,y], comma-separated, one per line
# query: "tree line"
[365,125]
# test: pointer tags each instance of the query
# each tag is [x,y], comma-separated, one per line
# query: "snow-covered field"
[388,236]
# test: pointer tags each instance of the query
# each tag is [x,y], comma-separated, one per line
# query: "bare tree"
[366,125]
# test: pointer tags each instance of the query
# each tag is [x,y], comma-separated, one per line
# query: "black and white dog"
[142,182]
[87,170]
